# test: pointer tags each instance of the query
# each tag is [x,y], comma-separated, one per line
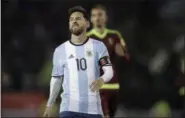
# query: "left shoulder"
[96,42]
[113,31]
[118,34]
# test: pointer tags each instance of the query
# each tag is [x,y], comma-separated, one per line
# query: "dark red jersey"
[110,39]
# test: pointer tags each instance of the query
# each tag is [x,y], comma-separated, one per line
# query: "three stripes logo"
[71,56]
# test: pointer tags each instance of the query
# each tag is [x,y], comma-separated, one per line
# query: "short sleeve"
[58,68]
[104,59]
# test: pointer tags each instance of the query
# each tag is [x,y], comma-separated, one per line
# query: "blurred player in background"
[76,66]
[115,45]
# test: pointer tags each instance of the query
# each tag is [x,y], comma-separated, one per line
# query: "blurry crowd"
[152,30]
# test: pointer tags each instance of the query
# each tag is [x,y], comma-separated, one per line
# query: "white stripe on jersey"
[90,57]
[73,77]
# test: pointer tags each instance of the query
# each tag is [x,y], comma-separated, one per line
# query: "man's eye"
[78,18]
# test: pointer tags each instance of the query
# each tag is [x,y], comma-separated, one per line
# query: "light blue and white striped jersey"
[80,66]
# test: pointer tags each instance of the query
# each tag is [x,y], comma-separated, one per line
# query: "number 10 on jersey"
[81,64]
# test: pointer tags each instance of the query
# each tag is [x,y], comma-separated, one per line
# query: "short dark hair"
[79,9]
[99,6]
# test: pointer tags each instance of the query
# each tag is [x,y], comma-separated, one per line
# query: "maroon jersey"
[110,39]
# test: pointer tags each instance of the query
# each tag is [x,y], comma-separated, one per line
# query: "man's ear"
[91,20]
[88,24]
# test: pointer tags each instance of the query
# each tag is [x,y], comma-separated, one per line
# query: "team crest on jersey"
[110,41]
[89,53]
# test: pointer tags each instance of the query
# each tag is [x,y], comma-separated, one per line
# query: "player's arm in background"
[56,79]
[120,47]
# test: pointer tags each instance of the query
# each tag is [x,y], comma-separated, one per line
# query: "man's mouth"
[75,25]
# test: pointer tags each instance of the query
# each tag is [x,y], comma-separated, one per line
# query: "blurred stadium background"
[152,83]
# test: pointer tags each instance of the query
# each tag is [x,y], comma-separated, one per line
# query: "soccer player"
[76,65]
[115,45]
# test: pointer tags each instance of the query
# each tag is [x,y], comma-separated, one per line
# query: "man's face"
[98,17]
[77,23]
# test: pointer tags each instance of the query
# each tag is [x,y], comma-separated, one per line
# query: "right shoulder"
[61,47]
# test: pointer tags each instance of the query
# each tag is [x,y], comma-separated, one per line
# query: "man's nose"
[74,22]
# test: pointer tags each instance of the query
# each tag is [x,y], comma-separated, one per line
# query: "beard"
[76,31]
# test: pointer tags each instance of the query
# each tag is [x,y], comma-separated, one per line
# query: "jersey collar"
[101,36]
[79,44]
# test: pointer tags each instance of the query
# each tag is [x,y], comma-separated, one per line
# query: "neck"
[100,29]
[79,39]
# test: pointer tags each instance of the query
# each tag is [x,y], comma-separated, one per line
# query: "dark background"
[32,29]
